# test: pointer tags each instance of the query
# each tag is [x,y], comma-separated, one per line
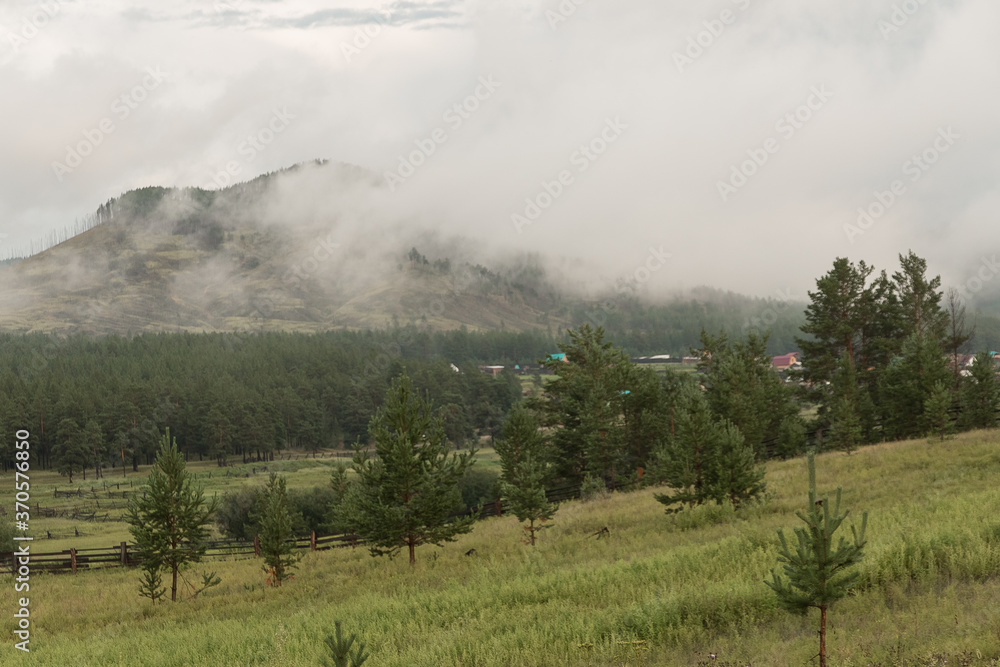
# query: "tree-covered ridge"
[94,402]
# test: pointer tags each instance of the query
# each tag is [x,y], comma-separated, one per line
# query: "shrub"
[237,511]
[593,488]
[479,485]
[309,509]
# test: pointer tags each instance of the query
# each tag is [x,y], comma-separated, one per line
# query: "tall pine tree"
[406,496]
[523,459]
[169,520]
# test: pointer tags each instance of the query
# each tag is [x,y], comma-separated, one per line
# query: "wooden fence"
[123,554]
[74,560]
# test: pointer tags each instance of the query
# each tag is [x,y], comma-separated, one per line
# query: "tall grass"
[687,585]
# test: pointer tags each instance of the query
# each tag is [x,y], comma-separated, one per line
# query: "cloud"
[701,89]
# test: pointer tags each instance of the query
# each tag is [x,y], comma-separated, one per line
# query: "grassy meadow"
[660,590]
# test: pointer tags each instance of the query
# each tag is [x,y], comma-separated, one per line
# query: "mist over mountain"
[311,248]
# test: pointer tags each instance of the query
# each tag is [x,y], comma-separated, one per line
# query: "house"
[655,359]
[558,357]
[492,370]
[785,361]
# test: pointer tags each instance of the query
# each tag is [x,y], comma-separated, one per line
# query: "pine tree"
[684,461]
[406,496]
[736,476]
[525,471]
[844,421]
[276,532]
[981,394]
[526,497]
[816,571]
[151,585]
[741,386]
[168,521]
[936,419]
[69,452]
[920,300]
[706,459]
[340,650]
[907,385]
[583,405]
[93,442]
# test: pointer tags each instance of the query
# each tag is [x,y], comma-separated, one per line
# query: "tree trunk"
[822,636]
[413,555]
[531,529]
[173,590]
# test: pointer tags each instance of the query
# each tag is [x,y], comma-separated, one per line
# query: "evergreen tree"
[93,442]
[981,394]
[741,386]
[525,471]
[706,459]
[276,532]
[69,452]
[845,424]
[583,405]
[736,475]
[849,316]
[151,584]
[920,300]
[684,460]
[340,650]
[792,438]
[406,496]
[936,407]
[338,519]
[908,383]
[816,571]
[168,521]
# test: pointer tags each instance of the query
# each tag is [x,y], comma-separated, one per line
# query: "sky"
[742,144]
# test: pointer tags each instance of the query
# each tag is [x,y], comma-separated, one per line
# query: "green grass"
[685,585]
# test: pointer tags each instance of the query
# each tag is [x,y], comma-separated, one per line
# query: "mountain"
[261,255]
[195,260]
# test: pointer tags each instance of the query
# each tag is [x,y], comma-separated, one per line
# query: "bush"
[7,533]
[239,512]
[310,509]
[236,516]
[593,488]
[479,485]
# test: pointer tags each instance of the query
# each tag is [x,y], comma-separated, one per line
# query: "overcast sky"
[738,136]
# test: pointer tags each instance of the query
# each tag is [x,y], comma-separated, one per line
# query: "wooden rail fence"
[74,560]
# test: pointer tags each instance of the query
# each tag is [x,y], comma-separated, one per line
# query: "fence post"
[256,545]
[499,508]
[312,540]
[124,553]
[72,559]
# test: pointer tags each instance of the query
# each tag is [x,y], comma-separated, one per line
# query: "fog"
[729,143]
